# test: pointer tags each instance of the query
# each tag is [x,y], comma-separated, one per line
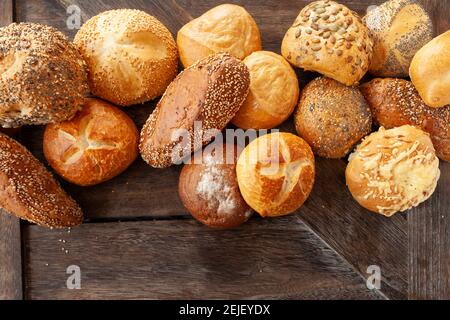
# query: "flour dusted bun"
[225,28]
[329,38]
[30,192]
[332,117]
[99,143]
[43,78]
[273,92]
[393,170]
[395,102]
[398,29]
[131,56]
[209,189]
[276,173]
[430,71]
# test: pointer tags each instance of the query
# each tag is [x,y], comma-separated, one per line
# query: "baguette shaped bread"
[395,102]
[30,192]
[196,105]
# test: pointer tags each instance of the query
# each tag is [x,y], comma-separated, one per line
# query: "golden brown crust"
[331,117]
[208,93]
[429,71]
[395,102]
[131,56]
[276,173]
[329,38]
[209,189]
[398,29]
[43,78]
[99,143]
[30,192]
[273,92]
[393,170]
[225,28]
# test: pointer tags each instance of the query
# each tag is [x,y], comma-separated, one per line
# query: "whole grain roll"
[331,117]
[131,56]
[398,29]
[430,71]
[329,38]
[30,192]
[43,78]
[396,102]
[196,106]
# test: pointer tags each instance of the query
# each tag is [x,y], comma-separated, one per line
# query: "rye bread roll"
[30,192]
[396,102]
[195,107]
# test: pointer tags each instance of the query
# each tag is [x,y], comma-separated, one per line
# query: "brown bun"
[95,146]
[225,28]
[275,173]
[395,102]
[329,38]
[331,117]
[131,56]
[273,92]
[43,78]
[393,170]
[398,29]
[30,192]
[196,105]
[429,71]
[209,190]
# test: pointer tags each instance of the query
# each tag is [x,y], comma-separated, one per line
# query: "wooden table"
[139,242]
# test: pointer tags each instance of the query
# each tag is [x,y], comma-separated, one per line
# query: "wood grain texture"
[10,247]
[176,259]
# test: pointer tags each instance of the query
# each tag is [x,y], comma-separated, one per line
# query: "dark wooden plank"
[429,244]
[10,248]
[278,258]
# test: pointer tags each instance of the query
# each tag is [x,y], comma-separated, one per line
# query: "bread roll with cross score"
[275,173]
[99,143]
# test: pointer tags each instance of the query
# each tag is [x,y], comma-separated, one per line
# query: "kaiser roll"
[275,173]
[393,170]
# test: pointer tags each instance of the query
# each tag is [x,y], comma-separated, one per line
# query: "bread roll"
[95,146]
[329,38]
[43,78]
[331,117]
[275,173]
[393,170]
[273,92]
[225,28]
[131,56]
[398,29]
[198,103]
[430,71]
[395,102]
[209,188]
[30,192]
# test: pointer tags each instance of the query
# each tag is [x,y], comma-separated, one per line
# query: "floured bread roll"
[225,28]
[276,173]
[393,170]
[131,56]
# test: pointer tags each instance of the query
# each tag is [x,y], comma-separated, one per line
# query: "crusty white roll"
[225,28]
[30,192]
[393,170]
[131,56]
[99,143]
[329,38]
[273,92]
[209,189]
[276,173]
[430,71]
[398,29]
[43,78]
